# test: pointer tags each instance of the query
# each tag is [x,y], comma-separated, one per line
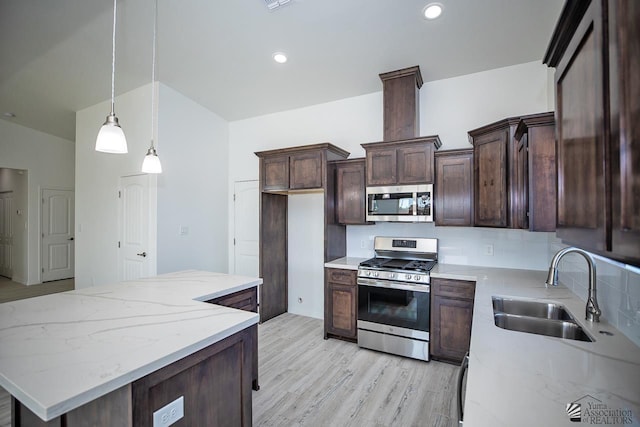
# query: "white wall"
[451,107]
[97,181]
[192,190]
[306,256]
[49,162]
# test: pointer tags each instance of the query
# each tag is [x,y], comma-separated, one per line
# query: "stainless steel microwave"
[400,203]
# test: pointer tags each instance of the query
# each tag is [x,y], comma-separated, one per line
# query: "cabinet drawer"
[338,275]
[453,288]
[242,300]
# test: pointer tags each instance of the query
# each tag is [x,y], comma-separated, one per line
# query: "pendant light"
[111,138]
[151,163]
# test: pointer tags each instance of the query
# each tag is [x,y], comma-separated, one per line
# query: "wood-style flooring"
[11,291]
[308,381]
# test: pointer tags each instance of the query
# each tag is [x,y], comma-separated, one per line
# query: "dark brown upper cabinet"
[514,172]
[454,188]
[350,192]
[401,111]
[536,173]
[401,162]
[624,87]
[595,49]
[492,152]
[297,168]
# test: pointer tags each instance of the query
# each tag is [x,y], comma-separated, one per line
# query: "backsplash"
[490,247]
[618,288]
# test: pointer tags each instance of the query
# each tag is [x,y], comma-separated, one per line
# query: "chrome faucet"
[592,310]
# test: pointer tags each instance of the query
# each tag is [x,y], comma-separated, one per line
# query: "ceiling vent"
[275,4]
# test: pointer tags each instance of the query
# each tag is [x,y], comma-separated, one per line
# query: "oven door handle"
[394,285]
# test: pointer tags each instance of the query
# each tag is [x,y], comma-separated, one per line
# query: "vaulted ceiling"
[56,54]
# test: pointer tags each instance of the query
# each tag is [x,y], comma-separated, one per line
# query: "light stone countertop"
[345,263]
[516,378]
[60,351]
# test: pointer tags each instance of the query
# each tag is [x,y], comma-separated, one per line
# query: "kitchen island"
[115,354]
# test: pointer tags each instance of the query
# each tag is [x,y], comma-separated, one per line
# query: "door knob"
[142,254]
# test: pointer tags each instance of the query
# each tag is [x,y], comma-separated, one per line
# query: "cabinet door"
[491,179]
[581,138]
[275,172]
[381,166]
[342,303]
[450,327]
[451,318]
[351,197]
[625,128]
[415,164]
[454,189]
[306,170]
[341,299]
[521,219]
[541,181]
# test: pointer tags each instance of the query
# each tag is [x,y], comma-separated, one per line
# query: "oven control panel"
[394,275]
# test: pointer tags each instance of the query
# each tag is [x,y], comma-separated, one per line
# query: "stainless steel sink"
[536,325]
[543,310]
[537,317]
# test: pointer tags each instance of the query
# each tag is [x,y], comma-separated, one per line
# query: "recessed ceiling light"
[9,115]
[280,57]
[432,10]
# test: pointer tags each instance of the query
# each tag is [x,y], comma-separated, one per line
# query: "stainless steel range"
[394,296]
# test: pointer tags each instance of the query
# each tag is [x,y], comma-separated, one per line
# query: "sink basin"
[529,308]
[541,326]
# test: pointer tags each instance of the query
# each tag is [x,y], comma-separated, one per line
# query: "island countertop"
[60,351]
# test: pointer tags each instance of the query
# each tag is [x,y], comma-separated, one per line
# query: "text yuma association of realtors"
[599,413]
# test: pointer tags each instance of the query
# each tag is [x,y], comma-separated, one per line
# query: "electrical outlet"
[363,244]
[488,250]
[169,413]
[184,230]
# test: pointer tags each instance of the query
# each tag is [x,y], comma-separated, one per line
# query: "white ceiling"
[56,54]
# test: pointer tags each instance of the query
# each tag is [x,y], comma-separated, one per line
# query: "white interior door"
[6,234]
[246,213]
[134,255]
[57,234]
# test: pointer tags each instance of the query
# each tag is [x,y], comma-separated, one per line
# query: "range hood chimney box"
[401,101]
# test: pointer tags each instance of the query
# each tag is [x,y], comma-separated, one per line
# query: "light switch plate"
[169,413]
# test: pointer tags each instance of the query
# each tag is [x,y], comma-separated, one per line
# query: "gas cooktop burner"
[398,264]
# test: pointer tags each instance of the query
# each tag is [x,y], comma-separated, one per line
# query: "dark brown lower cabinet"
[244,300]
[451,316]
[215,383]
[340,304]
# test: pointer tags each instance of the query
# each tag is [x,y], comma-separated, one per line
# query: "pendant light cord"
[153,69]
[113,59]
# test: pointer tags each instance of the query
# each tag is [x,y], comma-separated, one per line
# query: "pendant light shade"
[111,138]
[151,163]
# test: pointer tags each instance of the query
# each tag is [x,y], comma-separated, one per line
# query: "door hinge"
[43,235]
[43,269]
[119,194]
[234,241]
[43,200]
[118,244]
[234,197]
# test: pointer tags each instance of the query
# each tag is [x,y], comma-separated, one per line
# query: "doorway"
[6,234]
[57,238]
[135,254]
[246,215]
